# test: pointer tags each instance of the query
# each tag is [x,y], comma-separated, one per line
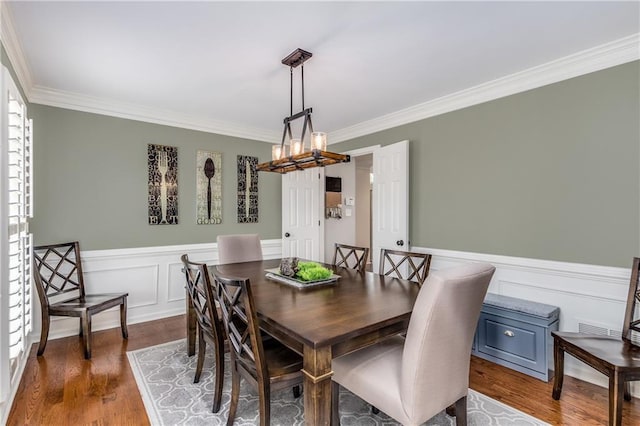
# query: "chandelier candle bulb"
[319,141]
[295,147]
[277,152]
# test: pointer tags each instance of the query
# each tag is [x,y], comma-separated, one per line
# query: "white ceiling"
[219,62]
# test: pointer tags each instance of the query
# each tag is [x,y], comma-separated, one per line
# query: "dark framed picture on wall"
[208,188]
[162,162]
[247,189]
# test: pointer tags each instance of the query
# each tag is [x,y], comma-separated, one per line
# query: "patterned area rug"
[164,375]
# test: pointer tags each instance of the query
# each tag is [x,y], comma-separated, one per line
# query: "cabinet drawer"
[514,341]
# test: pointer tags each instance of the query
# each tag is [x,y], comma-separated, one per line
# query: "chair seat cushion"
[92,302]
[519,305]
[613,351]
[373,373]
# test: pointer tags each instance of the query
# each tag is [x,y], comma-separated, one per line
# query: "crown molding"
[14,49]
[84,103]
[607,55]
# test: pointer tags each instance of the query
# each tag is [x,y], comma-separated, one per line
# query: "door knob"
[287,235]
[400,243]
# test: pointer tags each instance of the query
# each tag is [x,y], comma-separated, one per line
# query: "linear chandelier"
[300,157]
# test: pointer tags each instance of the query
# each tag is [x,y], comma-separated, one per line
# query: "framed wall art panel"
[247,189]
[162,162]
[208,188]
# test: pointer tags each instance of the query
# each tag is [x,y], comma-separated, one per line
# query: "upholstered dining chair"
[239,248]
[60,285]
[412,379]
[266,364]
[407,265]
[352,257]
[617,358]
[210,329]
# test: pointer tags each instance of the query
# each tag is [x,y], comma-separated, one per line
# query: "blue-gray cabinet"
[516,333]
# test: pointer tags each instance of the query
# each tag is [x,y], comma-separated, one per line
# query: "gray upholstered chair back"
[437,350]
[239,248]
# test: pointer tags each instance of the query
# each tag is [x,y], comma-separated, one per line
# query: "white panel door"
[390,199]
[302,229]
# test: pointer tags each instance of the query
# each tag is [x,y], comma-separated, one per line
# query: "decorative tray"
[274,274]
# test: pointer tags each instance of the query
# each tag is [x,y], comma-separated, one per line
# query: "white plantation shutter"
[16,207]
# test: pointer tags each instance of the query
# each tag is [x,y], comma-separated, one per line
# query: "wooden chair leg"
[123,318]
[44,333]
[191,326]
[451,410]
[202,346]
[86,331]
[558,362]
[461,411]
[264,398]
[616,392]
[235,393]
[217,393]
[627,391]
[296,391]
[335,404]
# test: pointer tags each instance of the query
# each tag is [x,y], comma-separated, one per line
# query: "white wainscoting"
[588,295]
[151,275]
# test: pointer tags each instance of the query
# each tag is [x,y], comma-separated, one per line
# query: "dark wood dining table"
[323,322]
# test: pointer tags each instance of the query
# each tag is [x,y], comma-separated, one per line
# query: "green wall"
[551,173]
[91,182]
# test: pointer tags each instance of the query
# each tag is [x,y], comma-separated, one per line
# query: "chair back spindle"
[241,325]
[202,297]
[58,274]
[631,324]
[406,265]
[352,257]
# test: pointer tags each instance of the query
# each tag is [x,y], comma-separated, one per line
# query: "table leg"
[317,385]
[191,327]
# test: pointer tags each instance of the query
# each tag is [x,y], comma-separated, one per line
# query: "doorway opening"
[363,187]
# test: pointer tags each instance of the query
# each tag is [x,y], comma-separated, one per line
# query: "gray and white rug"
[164,375]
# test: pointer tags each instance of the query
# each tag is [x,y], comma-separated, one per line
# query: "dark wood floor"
[61,388]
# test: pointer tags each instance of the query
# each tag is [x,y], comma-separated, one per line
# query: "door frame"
[367,150]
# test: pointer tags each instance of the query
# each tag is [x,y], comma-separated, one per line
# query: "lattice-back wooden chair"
[266,364]
[407,265]
[617,358]
[210,329]
[352,257]
[60,285]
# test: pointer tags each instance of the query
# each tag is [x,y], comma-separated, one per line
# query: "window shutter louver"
[16,208]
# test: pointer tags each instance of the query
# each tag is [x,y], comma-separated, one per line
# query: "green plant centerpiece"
[304,271]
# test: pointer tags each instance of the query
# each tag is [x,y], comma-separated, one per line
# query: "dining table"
[322,322]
